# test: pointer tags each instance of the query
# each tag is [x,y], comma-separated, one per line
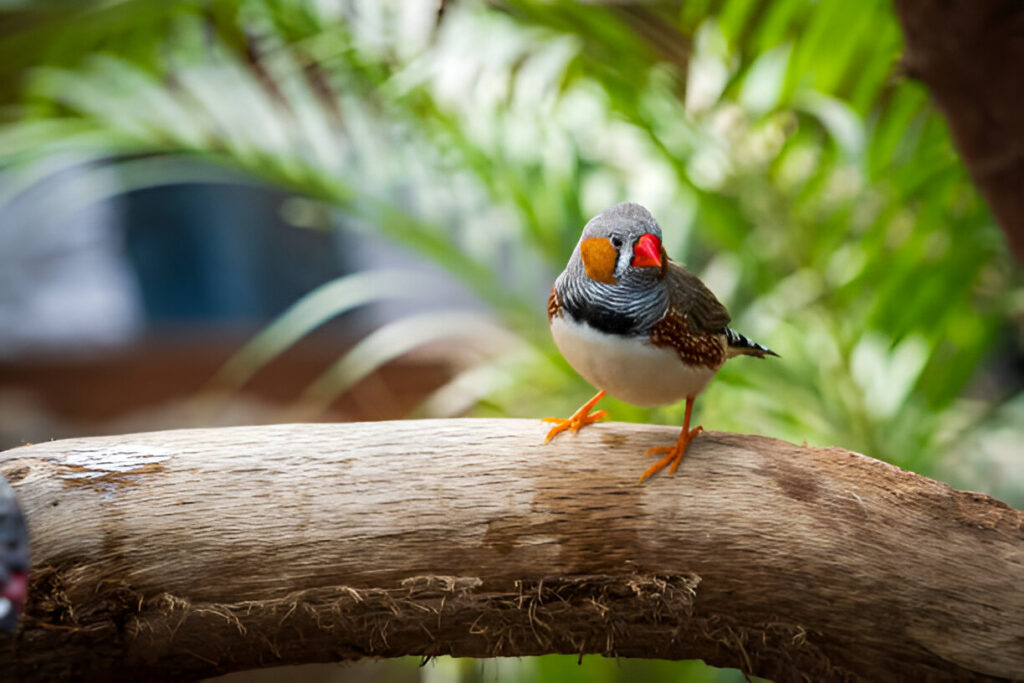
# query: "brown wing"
[554,305]
[695,322]
[690,297]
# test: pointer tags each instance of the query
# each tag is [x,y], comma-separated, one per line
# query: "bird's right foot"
[580,419]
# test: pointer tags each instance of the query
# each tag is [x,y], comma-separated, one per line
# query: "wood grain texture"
[184,554]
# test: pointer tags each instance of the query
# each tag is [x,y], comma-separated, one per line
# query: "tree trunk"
[190,553]
[970,55]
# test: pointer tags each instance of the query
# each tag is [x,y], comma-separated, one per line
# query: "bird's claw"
[573,424]
[675,453]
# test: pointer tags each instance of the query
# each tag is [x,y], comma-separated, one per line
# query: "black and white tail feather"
[740,345]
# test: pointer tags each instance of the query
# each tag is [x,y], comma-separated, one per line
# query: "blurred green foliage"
[790,164]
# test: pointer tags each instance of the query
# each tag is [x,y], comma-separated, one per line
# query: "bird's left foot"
[580,419]
[674,453]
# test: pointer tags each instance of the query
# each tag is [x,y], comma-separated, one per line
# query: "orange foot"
[580,419]
[675,453]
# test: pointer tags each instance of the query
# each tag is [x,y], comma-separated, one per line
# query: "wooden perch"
[185,554]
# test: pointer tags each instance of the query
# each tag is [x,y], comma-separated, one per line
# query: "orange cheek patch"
[599,257]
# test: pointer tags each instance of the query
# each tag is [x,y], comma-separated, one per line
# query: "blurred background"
[247,211]
[14,559]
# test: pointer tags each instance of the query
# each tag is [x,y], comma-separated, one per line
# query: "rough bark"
[185,554]
[970,54]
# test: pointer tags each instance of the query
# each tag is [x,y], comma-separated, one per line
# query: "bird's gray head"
[615,280]
[622,244]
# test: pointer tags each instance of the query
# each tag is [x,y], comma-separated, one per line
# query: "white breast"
[628,368]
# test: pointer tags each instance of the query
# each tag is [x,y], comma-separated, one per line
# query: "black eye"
[616,241]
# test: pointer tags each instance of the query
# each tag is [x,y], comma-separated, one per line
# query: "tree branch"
[969,54]
[191,553]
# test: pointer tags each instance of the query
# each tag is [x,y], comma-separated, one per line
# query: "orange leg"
[580,419]
[676,452]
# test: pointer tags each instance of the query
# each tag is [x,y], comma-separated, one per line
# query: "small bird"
[637,325]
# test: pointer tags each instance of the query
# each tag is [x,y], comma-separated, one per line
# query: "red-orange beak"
[647,251]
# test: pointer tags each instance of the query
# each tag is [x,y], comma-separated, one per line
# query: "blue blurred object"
[214,252]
